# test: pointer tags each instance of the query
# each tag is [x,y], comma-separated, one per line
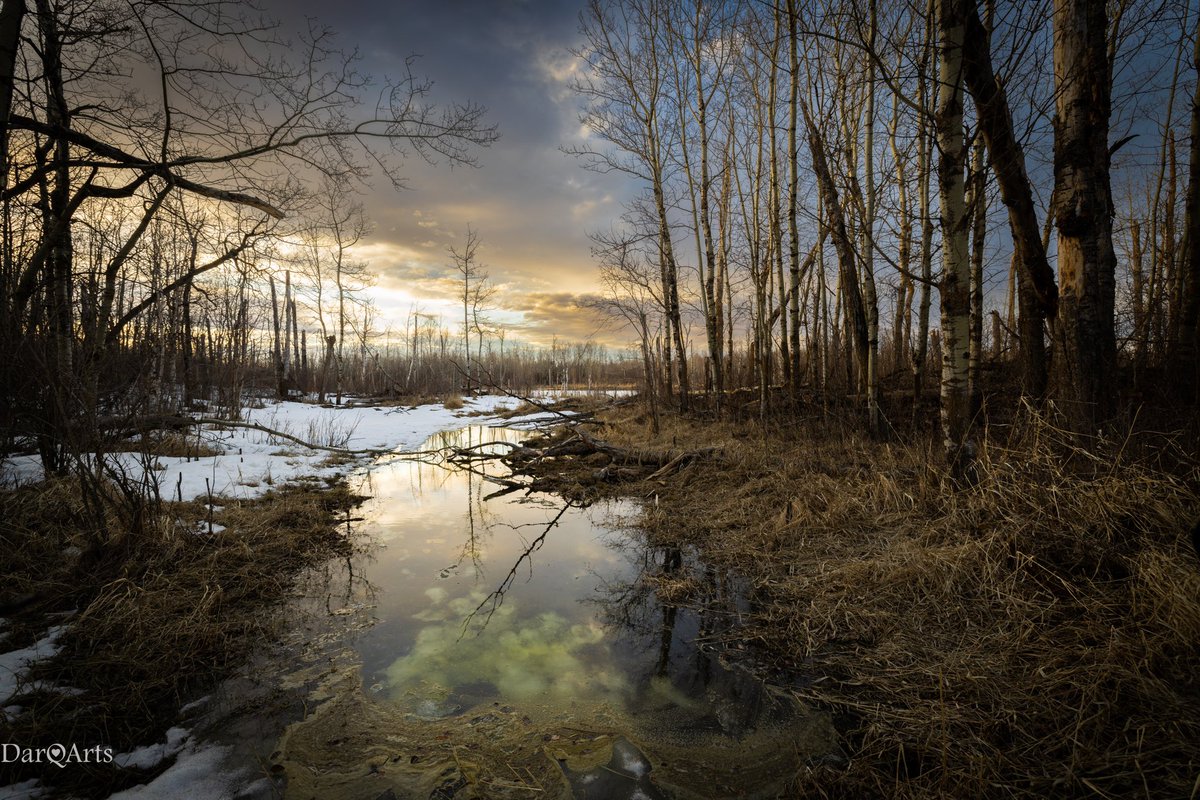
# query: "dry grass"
[159,617]
[452,402]
[522,409]
[167,444]
[1036,634]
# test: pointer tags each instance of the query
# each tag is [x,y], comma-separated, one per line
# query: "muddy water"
[487,644]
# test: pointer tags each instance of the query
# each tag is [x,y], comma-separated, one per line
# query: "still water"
[491,644]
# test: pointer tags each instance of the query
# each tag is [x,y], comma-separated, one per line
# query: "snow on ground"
[28,790]
[151,755]
[201,770]
[15,663]
[250,462]
[558,394]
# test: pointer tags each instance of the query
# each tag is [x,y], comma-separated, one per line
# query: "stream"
[484,644]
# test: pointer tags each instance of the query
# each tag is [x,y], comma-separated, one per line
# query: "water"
[490,644]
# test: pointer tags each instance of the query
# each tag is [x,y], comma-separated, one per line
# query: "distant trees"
[334,225]
[239,116]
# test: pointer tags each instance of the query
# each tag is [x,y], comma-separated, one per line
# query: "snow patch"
[192,706]
[199,771]
[22,791]
[15,663]
[152,755]
[249,462]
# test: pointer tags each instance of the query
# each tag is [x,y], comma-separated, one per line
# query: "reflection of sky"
[444,550]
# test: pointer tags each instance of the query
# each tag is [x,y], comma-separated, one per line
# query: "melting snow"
[250,462]
[200,771]
[14,664]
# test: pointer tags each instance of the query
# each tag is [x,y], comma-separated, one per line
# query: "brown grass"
[1036,634]
[167,444]
[160,616]
[453,402]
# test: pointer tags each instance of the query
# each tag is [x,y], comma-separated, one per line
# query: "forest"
[893,390]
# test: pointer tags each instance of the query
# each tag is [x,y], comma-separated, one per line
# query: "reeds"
[1034,634]
[160,615]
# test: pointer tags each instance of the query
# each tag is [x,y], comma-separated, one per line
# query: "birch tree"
[626,86]
[955,283]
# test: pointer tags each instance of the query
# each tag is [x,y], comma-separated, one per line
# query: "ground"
[109,631]
[1030,632]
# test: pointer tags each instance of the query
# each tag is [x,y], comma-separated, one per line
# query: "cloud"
[565,316]
[531,204]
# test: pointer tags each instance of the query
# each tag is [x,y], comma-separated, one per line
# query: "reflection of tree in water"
[669,611]
[680,609]
[489,605]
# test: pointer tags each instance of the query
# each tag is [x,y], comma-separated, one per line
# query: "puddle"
[489,646]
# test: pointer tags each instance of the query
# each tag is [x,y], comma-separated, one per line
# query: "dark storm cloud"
[531,204]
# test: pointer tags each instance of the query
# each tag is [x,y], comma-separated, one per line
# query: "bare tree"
[473,277]
[238,115]
[626,85]
[1083,212]
[955,284]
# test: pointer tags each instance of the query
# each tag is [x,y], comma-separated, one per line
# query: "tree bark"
[955,294]
[870,296]
[1086,367]
[1039,295]
[978,210]
[1186,367]
[793,192]
[12,14]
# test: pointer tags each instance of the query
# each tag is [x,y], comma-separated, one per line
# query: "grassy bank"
[1034,634]
[152,617]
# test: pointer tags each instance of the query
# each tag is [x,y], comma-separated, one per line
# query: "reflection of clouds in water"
[436,594]
[596,550]
[542,657]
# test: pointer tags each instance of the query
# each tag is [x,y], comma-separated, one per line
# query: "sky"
[531,204]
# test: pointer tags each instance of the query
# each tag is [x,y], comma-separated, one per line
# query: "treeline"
[837,194]
[159,162]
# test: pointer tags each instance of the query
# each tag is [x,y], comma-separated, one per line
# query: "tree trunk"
[978,207]
[870,296]
[847,268]
[58,209]
[1086,366]
[712,304]
[1036,289]
[955,294]
[12,13]
[793,192]
[924,171]
[670,271]
[1186,367]
[277,349]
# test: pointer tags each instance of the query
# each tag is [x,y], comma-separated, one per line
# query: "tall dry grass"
[157,616]
[1034,634]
